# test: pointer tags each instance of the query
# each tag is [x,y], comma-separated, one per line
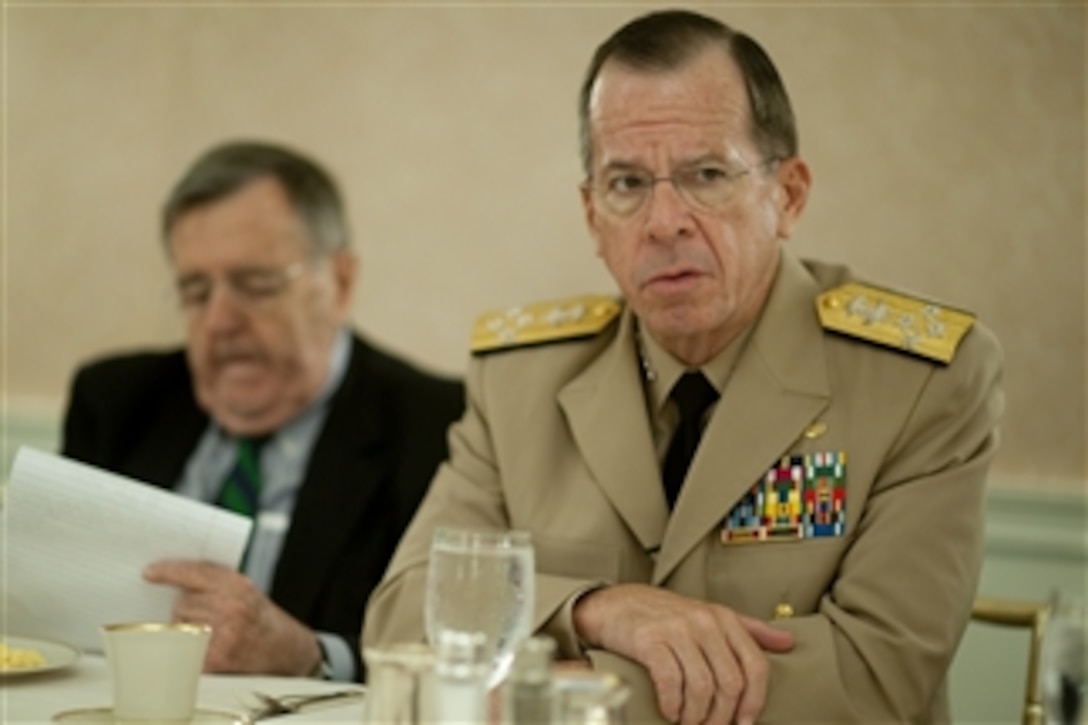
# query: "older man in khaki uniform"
[816,559]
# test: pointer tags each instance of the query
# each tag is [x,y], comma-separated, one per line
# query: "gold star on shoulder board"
[894,320]
[543,322]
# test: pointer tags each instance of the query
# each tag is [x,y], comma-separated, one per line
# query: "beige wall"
[947,144]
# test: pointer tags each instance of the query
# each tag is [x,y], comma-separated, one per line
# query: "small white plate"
[104,715]
[57,655]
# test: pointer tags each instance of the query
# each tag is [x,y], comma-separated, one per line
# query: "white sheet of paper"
[76,539]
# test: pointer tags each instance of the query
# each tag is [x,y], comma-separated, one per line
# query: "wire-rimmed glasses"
[708,185]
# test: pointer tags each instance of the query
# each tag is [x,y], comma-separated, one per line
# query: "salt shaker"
[528,696]
[460,681]
[590,698]
[398,684]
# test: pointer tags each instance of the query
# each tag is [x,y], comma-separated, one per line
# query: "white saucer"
[104,715]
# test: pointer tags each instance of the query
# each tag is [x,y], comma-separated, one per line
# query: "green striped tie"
[241,491]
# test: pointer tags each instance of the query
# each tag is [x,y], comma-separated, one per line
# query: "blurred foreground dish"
[12,658]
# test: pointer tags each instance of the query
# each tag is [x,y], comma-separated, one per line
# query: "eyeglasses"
[250,287]
[706,186]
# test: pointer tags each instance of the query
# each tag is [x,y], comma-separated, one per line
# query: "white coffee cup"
[155,669]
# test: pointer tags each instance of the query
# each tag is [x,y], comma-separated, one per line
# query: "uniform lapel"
[606,410]
[778,386]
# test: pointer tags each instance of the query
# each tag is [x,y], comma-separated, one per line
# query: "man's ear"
[345,270]
[794,181]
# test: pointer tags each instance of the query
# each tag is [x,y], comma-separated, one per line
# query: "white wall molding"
[39,428]
[1046,524]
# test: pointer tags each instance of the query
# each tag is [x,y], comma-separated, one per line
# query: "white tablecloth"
[37,698]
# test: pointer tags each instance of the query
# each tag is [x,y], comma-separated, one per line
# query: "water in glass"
[482,582]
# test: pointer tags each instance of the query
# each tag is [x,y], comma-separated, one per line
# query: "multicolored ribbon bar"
[800,497]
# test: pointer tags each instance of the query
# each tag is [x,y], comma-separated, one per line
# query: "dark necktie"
[241,490]
[693,394]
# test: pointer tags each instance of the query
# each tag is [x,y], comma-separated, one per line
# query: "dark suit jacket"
[371,464]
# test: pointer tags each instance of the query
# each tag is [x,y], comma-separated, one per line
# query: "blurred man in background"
[275,409]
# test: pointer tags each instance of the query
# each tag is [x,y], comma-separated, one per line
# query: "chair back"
[1026,615]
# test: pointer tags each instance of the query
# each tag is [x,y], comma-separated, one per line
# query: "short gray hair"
[225,169]
[666,40]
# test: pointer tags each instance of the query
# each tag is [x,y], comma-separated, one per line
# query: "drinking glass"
[481,581]
[1065,660]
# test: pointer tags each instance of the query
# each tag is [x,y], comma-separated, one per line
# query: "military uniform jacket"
[556,440]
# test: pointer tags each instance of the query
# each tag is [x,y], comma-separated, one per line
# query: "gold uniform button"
[783,610]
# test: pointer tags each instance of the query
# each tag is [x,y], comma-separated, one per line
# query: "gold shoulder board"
[543,322]
[895,320]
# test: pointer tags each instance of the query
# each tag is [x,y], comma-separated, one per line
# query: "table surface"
[37,698]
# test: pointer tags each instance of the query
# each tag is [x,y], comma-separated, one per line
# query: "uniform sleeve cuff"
[561,626]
